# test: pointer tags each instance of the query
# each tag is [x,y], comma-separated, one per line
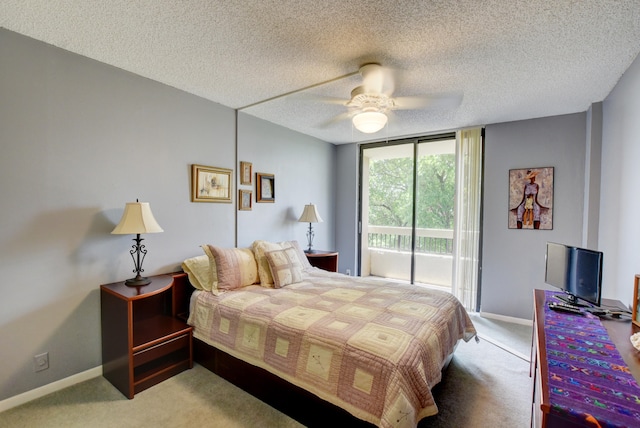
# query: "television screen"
[576,271]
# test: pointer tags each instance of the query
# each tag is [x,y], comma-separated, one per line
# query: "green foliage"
[390,192]
[391,188]
[436,190]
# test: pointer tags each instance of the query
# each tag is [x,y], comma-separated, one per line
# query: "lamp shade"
[369,121]
[310,215]
[137,218]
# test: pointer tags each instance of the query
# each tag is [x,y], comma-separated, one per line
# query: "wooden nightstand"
[327,260]
[143,343]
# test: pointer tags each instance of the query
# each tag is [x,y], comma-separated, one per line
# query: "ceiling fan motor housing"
[369,101]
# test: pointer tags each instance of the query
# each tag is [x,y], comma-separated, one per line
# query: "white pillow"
[264,271]
[304,261]
[198,270]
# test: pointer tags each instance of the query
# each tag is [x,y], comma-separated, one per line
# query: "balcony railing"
[429,241]
[388,254]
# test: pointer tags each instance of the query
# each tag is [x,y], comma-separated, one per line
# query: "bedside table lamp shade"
[137,219]
[310,215]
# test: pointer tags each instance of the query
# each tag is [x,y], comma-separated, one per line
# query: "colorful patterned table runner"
[589,381]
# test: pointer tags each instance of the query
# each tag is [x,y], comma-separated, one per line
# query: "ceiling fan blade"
[336,119]
[314,98]
[440,101]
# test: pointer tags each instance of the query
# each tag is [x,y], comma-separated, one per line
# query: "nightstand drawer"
[161,349]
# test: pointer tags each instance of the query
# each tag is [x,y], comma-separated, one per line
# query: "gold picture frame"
[265,187]
[635,312]
[246,172]
[244,200]
[210,184]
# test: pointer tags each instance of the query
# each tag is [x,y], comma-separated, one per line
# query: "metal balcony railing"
[428,241]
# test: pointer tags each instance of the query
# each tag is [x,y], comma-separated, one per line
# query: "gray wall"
[303,168]
[596,156]
[79,139]
[513,260]
[347,207]
[593,177]
[619,204]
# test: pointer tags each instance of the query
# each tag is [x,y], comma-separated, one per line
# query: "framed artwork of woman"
[531,198]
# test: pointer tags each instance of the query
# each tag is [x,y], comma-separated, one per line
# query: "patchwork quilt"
[371,347]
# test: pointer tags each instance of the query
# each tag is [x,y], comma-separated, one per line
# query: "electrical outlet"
[41,362]
[348,272]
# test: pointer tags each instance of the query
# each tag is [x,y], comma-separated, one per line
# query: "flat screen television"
[576,271]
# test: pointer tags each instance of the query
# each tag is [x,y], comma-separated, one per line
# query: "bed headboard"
[182,290]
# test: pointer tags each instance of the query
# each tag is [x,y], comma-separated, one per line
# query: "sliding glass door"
[387,211]
[407,210]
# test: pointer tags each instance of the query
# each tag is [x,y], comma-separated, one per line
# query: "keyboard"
[565,307]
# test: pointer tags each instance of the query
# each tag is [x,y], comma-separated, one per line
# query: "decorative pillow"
[264,271]
[198,270]
[235,267]
[285,266]
[304,261]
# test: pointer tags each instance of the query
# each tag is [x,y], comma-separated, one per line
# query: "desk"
[619,331]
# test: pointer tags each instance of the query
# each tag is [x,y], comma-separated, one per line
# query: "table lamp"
[136,219]
[310,215]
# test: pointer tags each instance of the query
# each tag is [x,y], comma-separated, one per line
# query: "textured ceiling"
[509,59]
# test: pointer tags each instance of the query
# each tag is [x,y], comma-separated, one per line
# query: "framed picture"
[210,184]
[635,312]
[245,172]
[531,198]
[244,200]
[265,187]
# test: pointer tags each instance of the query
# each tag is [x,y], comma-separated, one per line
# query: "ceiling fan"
[371,102]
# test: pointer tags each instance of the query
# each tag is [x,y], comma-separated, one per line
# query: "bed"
[320,345]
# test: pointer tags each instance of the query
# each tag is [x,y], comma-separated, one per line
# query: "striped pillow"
[236,267]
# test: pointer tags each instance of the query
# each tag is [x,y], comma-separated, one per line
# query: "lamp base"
[137,281]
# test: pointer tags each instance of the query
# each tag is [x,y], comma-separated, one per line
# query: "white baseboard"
[25,397]
[509,349]
[505,318]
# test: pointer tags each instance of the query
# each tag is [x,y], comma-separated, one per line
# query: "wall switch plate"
[41,362]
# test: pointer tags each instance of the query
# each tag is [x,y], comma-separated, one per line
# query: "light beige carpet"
[194,398]
[483,387]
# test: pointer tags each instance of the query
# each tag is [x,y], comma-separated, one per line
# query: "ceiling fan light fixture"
[369,122]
